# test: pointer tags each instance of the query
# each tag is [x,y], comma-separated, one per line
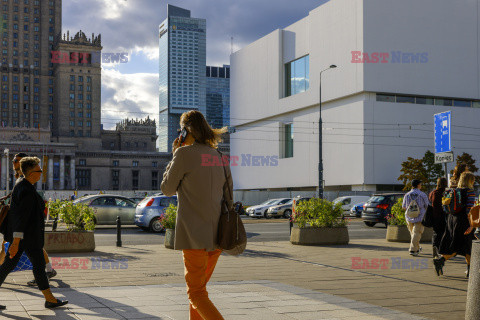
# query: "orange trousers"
[199,266]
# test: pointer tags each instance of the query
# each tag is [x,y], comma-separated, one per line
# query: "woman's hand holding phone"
[175,144]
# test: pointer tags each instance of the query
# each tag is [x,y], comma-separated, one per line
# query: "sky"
[131,89]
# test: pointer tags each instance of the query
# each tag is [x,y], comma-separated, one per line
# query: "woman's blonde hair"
[467,180]
[196,124]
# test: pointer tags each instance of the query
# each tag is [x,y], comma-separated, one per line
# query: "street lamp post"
[7,175]
[320,158]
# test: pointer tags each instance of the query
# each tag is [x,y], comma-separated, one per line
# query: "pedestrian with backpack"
[415,203]
[458,235]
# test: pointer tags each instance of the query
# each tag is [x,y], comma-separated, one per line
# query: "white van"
[349,201]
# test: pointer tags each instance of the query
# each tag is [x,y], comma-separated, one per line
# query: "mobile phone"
[183,135]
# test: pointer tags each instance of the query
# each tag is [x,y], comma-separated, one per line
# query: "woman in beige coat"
[199,186]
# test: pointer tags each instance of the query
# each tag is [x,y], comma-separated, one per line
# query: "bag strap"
[226,181]
[5,197]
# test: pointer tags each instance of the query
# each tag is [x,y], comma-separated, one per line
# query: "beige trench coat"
[199,188]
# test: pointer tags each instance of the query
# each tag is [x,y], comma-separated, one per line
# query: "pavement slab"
[268,300]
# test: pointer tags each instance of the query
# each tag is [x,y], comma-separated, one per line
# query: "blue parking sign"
[443,125]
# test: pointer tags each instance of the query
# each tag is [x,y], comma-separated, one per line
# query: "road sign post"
[443,138]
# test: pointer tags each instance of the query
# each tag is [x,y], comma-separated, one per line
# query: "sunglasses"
[16,161]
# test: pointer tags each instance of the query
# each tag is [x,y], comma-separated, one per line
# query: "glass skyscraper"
[182,81]
[218,96]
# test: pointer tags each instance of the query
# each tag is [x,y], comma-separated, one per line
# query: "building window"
[297,76]
[115,163]
[135,179]
[154,180]
[115,179]
[83,178]
[134,163]
[82,162]
[287,140]
[385,98]
[154,164]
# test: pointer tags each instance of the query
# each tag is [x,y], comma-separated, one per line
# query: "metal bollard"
[119,232]
[473,294]
[54,224]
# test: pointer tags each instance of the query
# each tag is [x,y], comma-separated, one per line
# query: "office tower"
[182,81]
[27,32]
[218,96]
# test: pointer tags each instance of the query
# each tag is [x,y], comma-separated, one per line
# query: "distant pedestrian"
[72,197]
[457,171]
[439,217]
[458,235]
[200,190]
[415,203]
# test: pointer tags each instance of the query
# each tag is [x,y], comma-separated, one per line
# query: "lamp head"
[333,66]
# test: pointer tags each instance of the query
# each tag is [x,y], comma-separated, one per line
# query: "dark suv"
[378,207]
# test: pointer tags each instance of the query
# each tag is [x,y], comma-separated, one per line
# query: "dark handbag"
[427,220]
[231,237]
[4,207]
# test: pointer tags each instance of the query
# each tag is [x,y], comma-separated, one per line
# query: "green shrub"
[77,217]
[397,215]
[169,218]
[319,213]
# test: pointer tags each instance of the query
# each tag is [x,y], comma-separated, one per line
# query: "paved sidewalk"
[354,272]
[243,300]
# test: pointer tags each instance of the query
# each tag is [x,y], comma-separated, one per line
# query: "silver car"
[283,210]
[108,206]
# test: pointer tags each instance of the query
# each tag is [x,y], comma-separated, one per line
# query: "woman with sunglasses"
[26,228]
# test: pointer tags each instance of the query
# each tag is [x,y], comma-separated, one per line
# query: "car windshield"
[289,202]
[376,199]
[337,200]
[267,202]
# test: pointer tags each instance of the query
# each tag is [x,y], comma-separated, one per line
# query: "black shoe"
[50,275]
[2,307]
[468,271]
[439,263]
[59,303]
[414,253]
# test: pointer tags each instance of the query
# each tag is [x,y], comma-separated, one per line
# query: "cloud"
[132,26]
[128,96]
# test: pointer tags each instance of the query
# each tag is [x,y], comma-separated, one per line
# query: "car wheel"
[267,215]
[287,214]
[369,224]
[156,225]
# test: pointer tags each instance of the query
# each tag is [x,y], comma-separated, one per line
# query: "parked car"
[357,210]
[282,210]
[150,210]
[349,201]
[260,210]
[108,206]
[378,207]
[137,200]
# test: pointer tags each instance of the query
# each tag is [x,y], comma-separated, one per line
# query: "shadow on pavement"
[263,254]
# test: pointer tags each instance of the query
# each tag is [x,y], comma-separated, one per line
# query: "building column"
[62,172]
[4,173]
[72,173]
[50,173]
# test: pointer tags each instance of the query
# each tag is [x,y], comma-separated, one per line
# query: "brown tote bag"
[474,217]
[232,238]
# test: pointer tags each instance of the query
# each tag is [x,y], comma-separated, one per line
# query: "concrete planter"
[169,238]
[401,234]
[319,236]
[68,242]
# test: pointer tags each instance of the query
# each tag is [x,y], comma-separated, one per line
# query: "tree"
[432,170]
[423,169]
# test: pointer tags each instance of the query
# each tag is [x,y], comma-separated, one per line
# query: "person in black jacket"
[25,229]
